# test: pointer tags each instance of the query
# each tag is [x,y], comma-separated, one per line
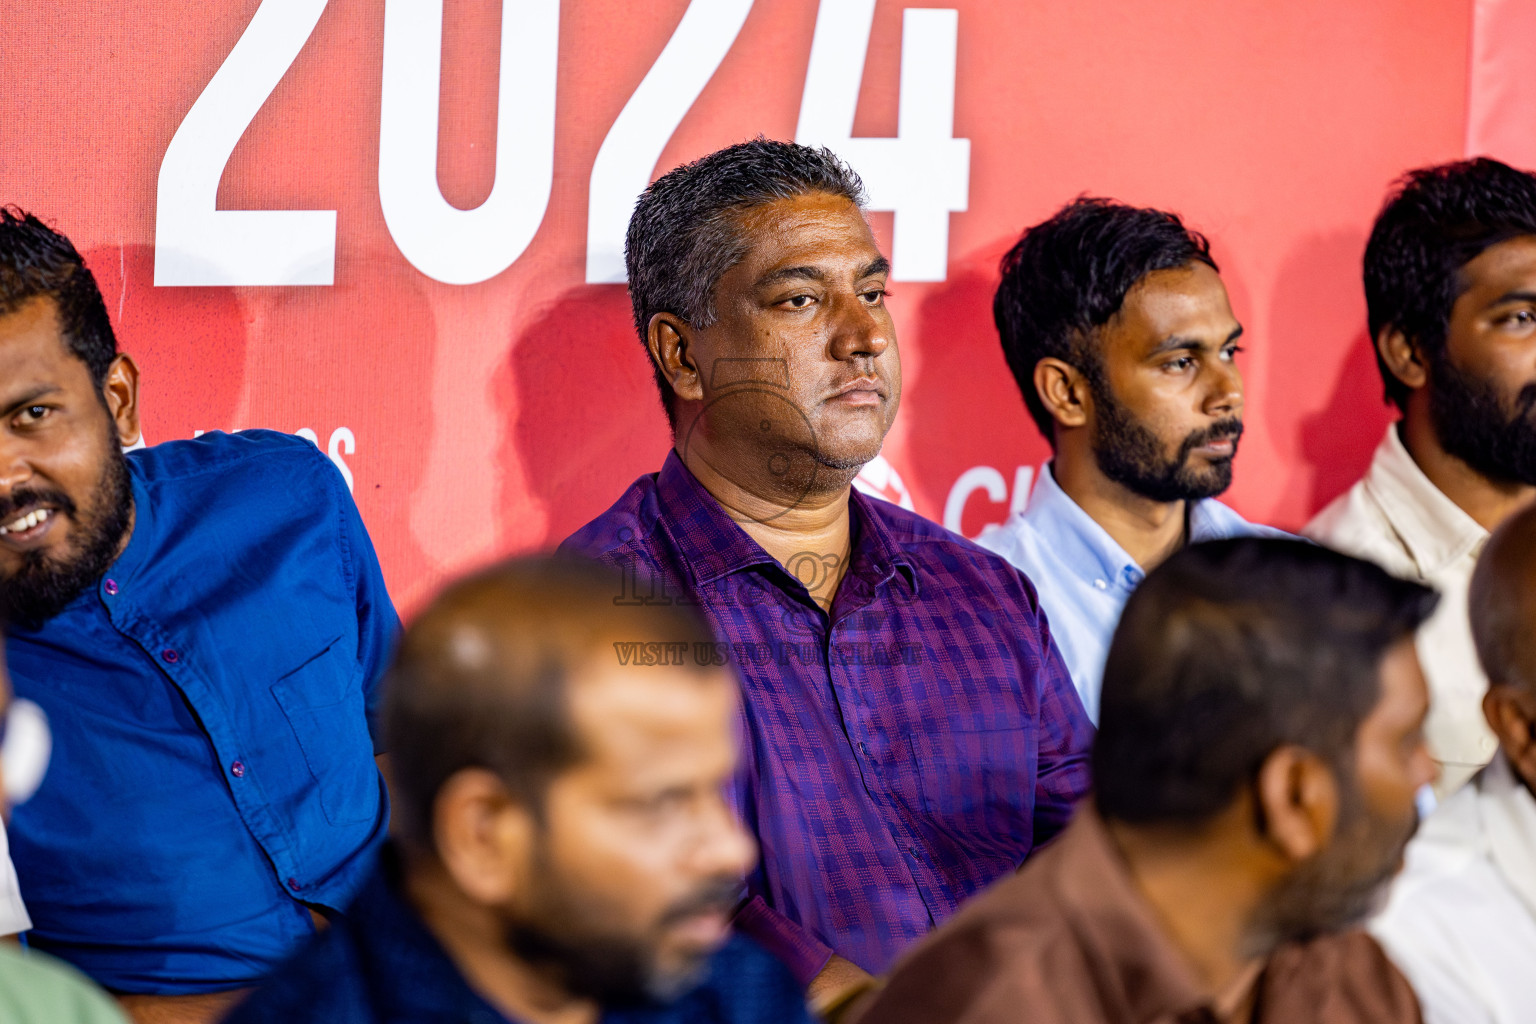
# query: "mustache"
[1525,401]
[718,895]
[25,499]
[1230,429]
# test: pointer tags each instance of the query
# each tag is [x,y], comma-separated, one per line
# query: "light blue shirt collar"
[1077,539]
[1082,543]
[1083,576]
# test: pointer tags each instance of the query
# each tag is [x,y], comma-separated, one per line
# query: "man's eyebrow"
[791,274]
[1515,296]
[29,397]
[878,265]
[1181,342]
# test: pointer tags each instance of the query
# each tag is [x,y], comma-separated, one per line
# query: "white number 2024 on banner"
[922,175]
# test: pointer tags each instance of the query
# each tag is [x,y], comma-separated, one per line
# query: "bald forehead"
[1502,602]
[496,634]
[642,719]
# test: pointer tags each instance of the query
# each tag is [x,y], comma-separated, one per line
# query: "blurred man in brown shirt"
[1260,746]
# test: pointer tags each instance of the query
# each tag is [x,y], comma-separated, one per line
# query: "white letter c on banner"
[977,478]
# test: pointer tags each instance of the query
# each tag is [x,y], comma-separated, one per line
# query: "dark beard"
[1473,424]
[44,586]
[1132,456]
[1339,887]
[613,969]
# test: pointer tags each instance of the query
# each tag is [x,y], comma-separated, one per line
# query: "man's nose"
[1225,397]
[726,848]
[15,469]
[858,329]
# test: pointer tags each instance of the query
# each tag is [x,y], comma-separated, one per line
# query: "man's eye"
[798,301]
[875,296]
[1231,352]
[1180,364]
[33,413]
[661,805]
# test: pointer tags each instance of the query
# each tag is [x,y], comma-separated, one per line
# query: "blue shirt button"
[110,586]
[293,883]
[170,655]
[237,769]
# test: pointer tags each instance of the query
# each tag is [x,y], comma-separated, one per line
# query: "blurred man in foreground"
[565,851]
[1450,286]
[1118,331]
[1254,778]
[1462,919]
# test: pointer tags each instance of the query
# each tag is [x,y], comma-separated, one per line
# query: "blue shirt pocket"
[323,702]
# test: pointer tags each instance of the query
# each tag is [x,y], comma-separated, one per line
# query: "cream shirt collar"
[1508,814]
[1433,528]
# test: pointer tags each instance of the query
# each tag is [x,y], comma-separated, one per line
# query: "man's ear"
[669,339]
[1063,390]
[483,836]
[121,392]
[1298,802]
[1511,718]
[1403,357]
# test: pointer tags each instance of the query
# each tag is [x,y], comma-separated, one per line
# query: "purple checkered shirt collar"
[713,545]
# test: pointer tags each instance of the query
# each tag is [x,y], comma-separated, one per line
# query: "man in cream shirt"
[1461,922]
[1450,286]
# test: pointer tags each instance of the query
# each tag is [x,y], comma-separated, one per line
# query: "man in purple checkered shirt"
[911,731]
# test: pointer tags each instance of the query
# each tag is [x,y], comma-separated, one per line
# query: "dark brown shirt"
[1069,940]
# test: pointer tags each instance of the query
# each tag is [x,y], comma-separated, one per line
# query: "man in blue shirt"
[203,623]
[565,847]
[1117,328]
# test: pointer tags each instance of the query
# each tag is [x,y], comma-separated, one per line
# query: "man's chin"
[848,455]
[30,604]
[46,582]
[683,972]
[1213,479]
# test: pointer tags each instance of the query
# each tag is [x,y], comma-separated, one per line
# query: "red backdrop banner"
[395,224]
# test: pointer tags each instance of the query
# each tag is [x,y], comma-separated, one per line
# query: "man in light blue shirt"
[1118,331]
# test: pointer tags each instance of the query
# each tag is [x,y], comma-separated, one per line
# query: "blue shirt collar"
[123,569]
[1086,546]
[141,541]
[1075,536]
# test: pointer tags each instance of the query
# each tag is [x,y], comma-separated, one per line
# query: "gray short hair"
[685,232]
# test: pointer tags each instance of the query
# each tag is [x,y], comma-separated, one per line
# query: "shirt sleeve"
[1066,737]
[799,950]
[378,625]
